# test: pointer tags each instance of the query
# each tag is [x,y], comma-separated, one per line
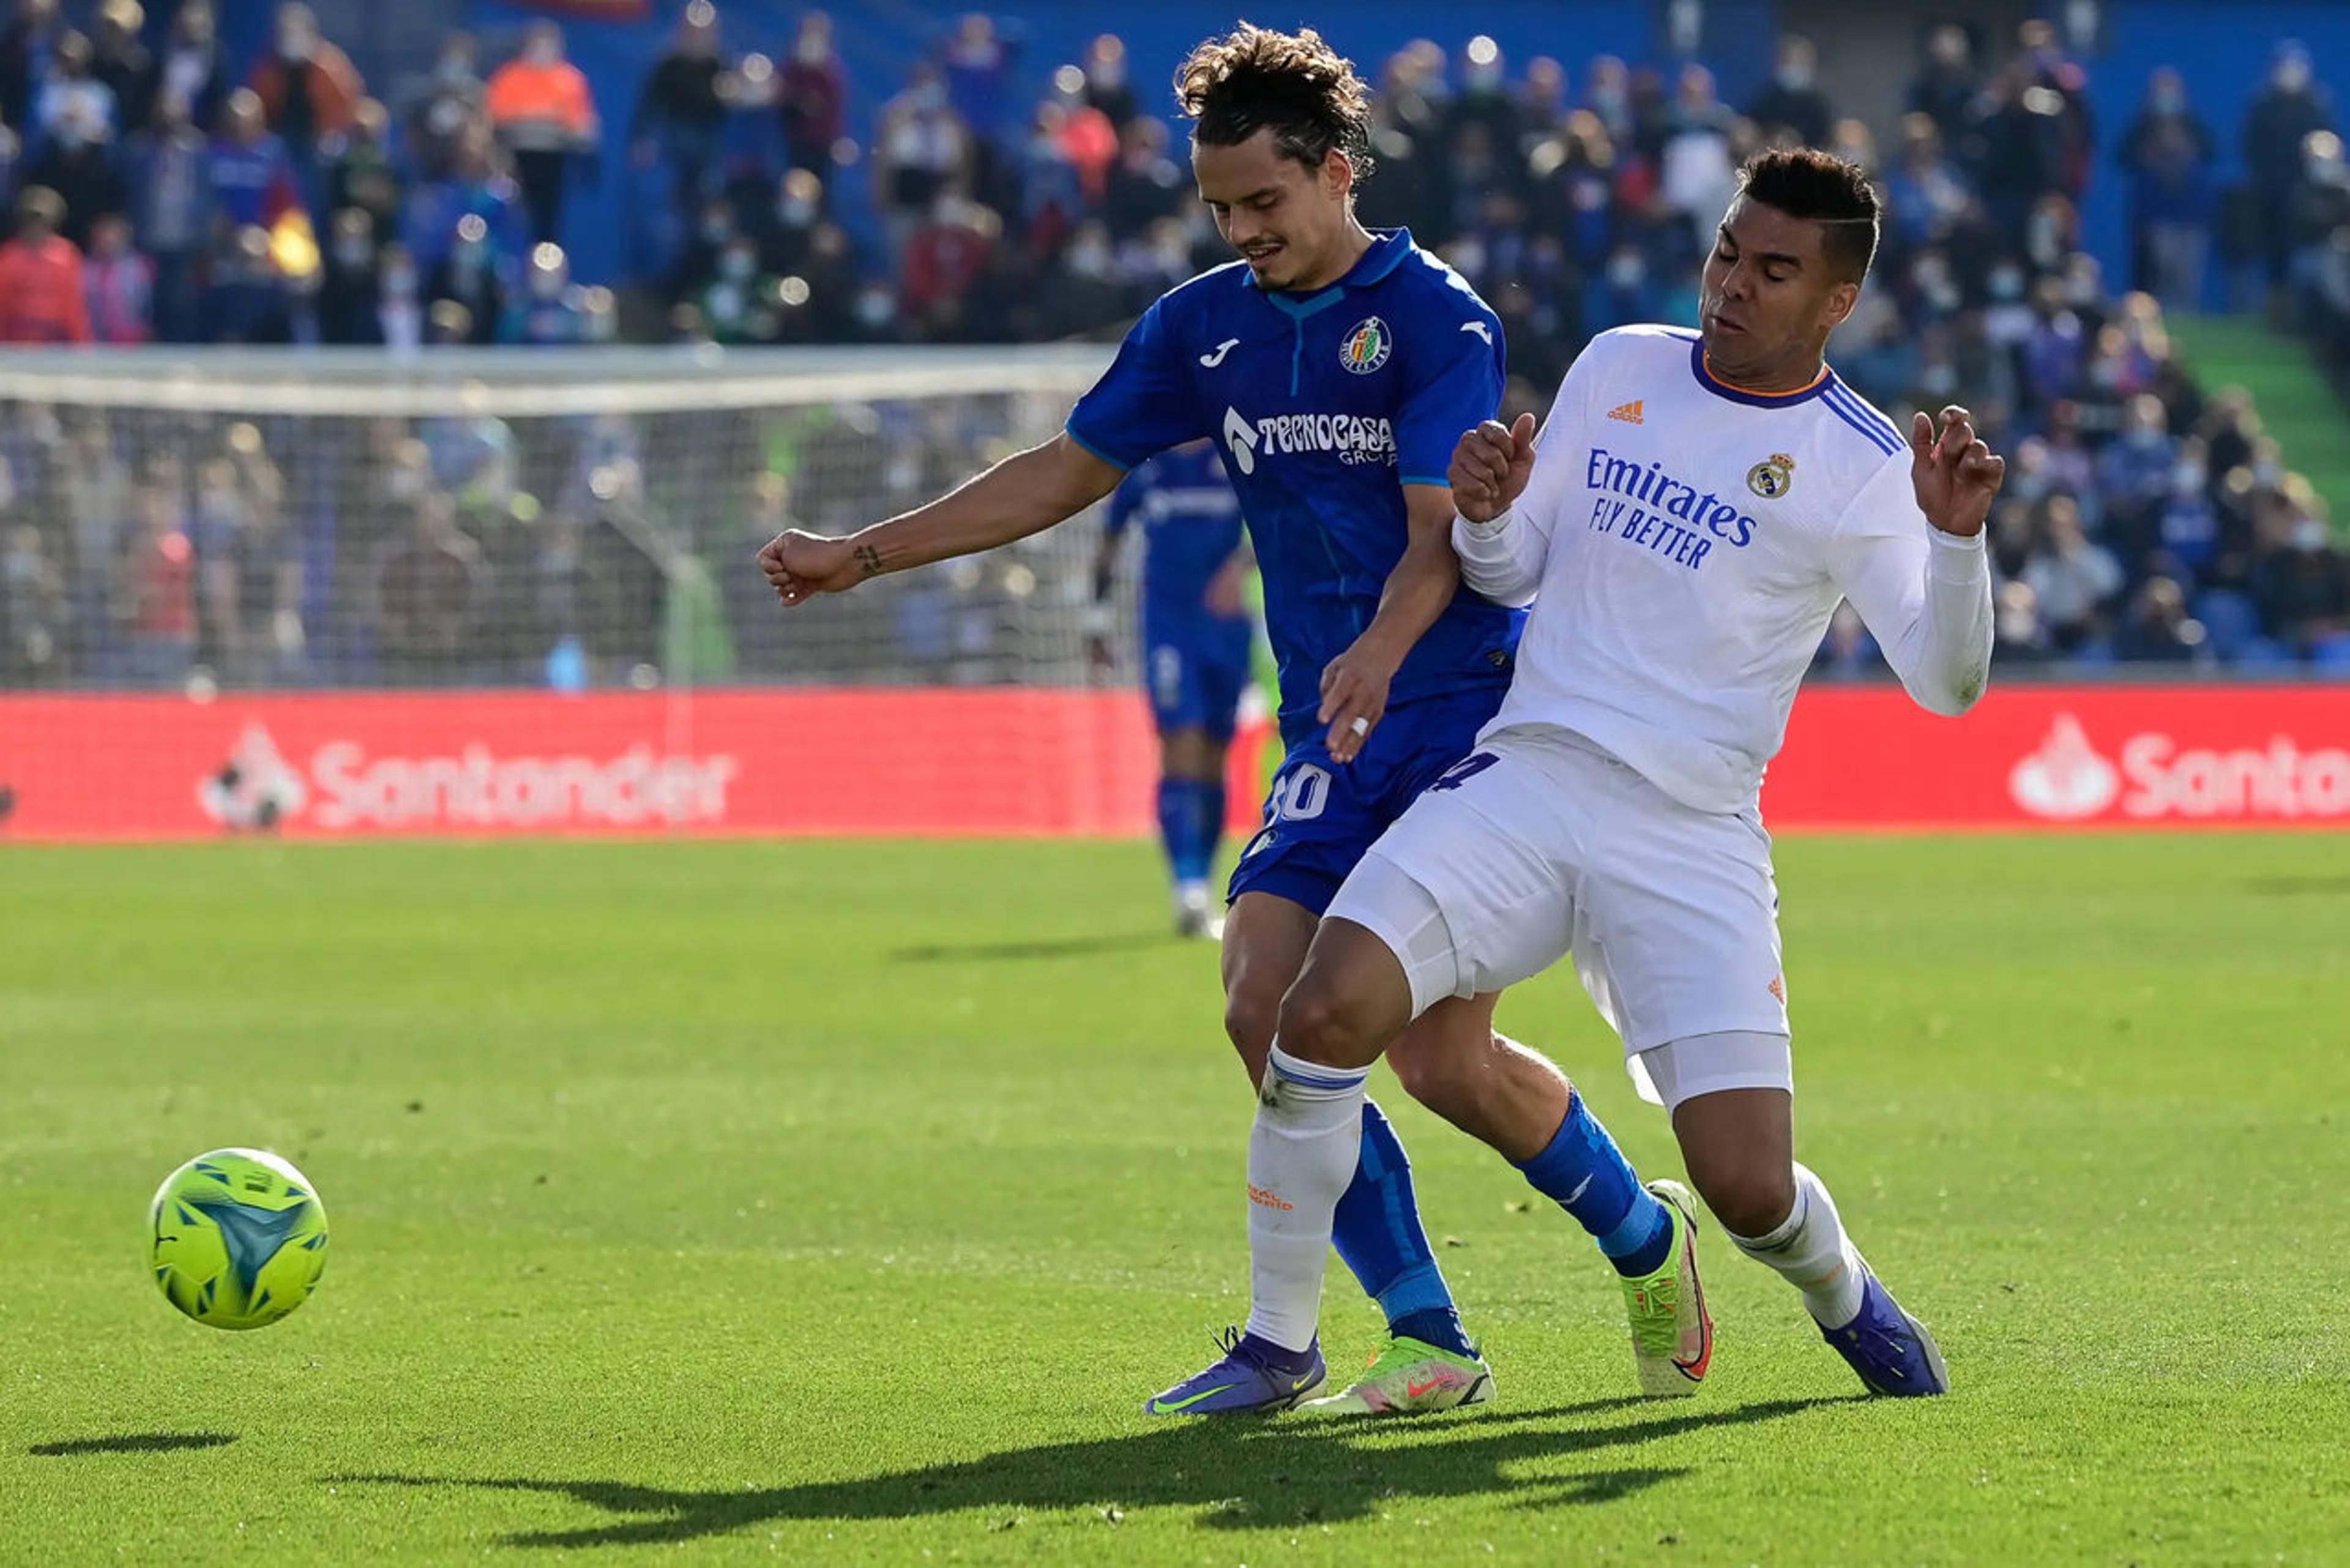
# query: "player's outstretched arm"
[1025,493]
[1933,619]
[1354,684]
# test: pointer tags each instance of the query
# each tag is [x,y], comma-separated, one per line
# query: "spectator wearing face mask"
[252,179]
[193,65]
[814,96]
[925,151]
[2073,578]
[350,292]
[2276,128]
[548,310]
[79,165]
[740,302]
[120,60]
[308,89]
[540,106]
[1794,105]
[2166,152]
[172,210]
[362,172]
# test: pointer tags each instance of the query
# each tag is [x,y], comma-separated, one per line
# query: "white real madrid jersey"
[1685,543]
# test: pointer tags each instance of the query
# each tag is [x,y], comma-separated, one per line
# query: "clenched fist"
[801,564]
[1490,468]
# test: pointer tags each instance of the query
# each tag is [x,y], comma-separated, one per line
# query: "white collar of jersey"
[1389,248]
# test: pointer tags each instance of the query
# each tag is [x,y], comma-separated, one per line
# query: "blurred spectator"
[475,187]
[1946,86]
[79,164]
[2300,586]
[193,67]
[1698,172]
[470,273]
[252,179]
[814,96]
[741,303]
[435,107]
[1146,186]
[361,173]
[540,106]
[424,588]
[1794,105]
[2159,630]
[26,44]
[308,89]
[246,299]
[2072,577]
[925,150]
[172,210]
[974,77]
[34,612]
[2277,127]
[944,258]
[1484,99]
[2168,152]
[2317,208]
[154,598]
[549,309]
[402,310]
[71,100]
[351,292]
[1107,87]
[41,298]
[120,60]
[120,284]
[680,115]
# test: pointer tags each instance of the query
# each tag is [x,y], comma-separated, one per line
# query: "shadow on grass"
[1238,1475]
[136,1443]
[1063,947]
[2297,887]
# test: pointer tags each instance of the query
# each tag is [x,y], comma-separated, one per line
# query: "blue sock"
[1377,1232]
[1212,820]
[1181,830]
[1585,1174]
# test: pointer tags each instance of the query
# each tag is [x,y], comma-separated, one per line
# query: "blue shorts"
[1321,815]
[1194,672]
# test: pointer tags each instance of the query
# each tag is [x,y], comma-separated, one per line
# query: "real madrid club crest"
[1774,477]
[1366,347]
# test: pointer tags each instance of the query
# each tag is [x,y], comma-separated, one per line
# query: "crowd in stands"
[165,191]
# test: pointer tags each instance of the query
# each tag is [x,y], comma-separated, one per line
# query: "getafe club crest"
[1772,478]
[1366,347]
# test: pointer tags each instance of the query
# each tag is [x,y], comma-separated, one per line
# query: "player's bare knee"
[1319,1023]
[1249,1018]
[1750,1198]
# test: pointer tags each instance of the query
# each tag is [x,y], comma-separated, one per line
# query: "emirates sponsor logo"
[2153,777]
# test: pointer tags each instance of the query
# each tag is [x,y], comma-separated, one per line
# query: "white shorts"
[1555,846]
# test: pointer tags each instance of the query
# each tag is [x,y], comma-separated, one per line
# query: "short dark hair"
[1805,182]
[1293,84]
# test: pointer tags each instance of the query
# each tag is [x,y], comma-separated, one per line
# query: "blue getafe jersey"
[1323,406]
[1191,526]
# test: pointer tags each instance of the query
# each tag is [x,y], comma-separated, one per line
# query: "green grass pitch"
[842,1202]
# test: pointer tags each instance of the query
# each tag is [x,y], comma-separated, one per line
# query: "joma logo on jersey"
[1351,437]
[1367,346]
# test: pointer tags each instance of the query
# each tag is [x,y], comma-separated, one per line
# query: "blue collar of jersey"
[1389,248]
[1721,388]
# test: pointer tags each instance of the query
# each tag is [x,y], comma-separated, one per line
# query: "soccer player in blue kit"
[1195,648]
[1336,369]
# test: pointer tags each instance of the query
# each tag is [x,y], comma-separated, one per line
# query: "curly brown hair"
[1293,84]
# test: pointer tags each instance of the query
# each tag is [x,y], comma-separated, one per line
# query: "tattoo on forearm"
[868,558]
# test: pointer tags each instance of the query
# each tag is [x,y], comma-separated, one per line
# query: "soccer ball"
[237,1237]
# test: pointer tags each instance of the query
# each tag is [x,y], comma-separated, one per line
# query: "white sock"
[1302,1153]
[1815,1254]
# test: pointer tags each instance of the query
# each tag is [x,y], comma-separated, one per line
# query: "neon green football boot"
[1410,1378]
[1672,1336]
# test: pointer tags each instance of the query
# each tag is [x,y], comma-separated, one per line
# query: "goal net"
[479,591]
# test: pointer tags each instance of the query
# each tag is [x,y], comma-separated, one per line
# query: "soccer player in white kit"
[1688,519]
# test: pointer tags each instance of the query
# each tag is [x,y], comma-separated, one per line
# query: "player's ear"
[1841,299]
[1337,172]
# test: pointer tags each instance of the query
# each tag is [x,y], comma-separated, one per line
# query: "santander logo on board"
[343,788]
[2156,778]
